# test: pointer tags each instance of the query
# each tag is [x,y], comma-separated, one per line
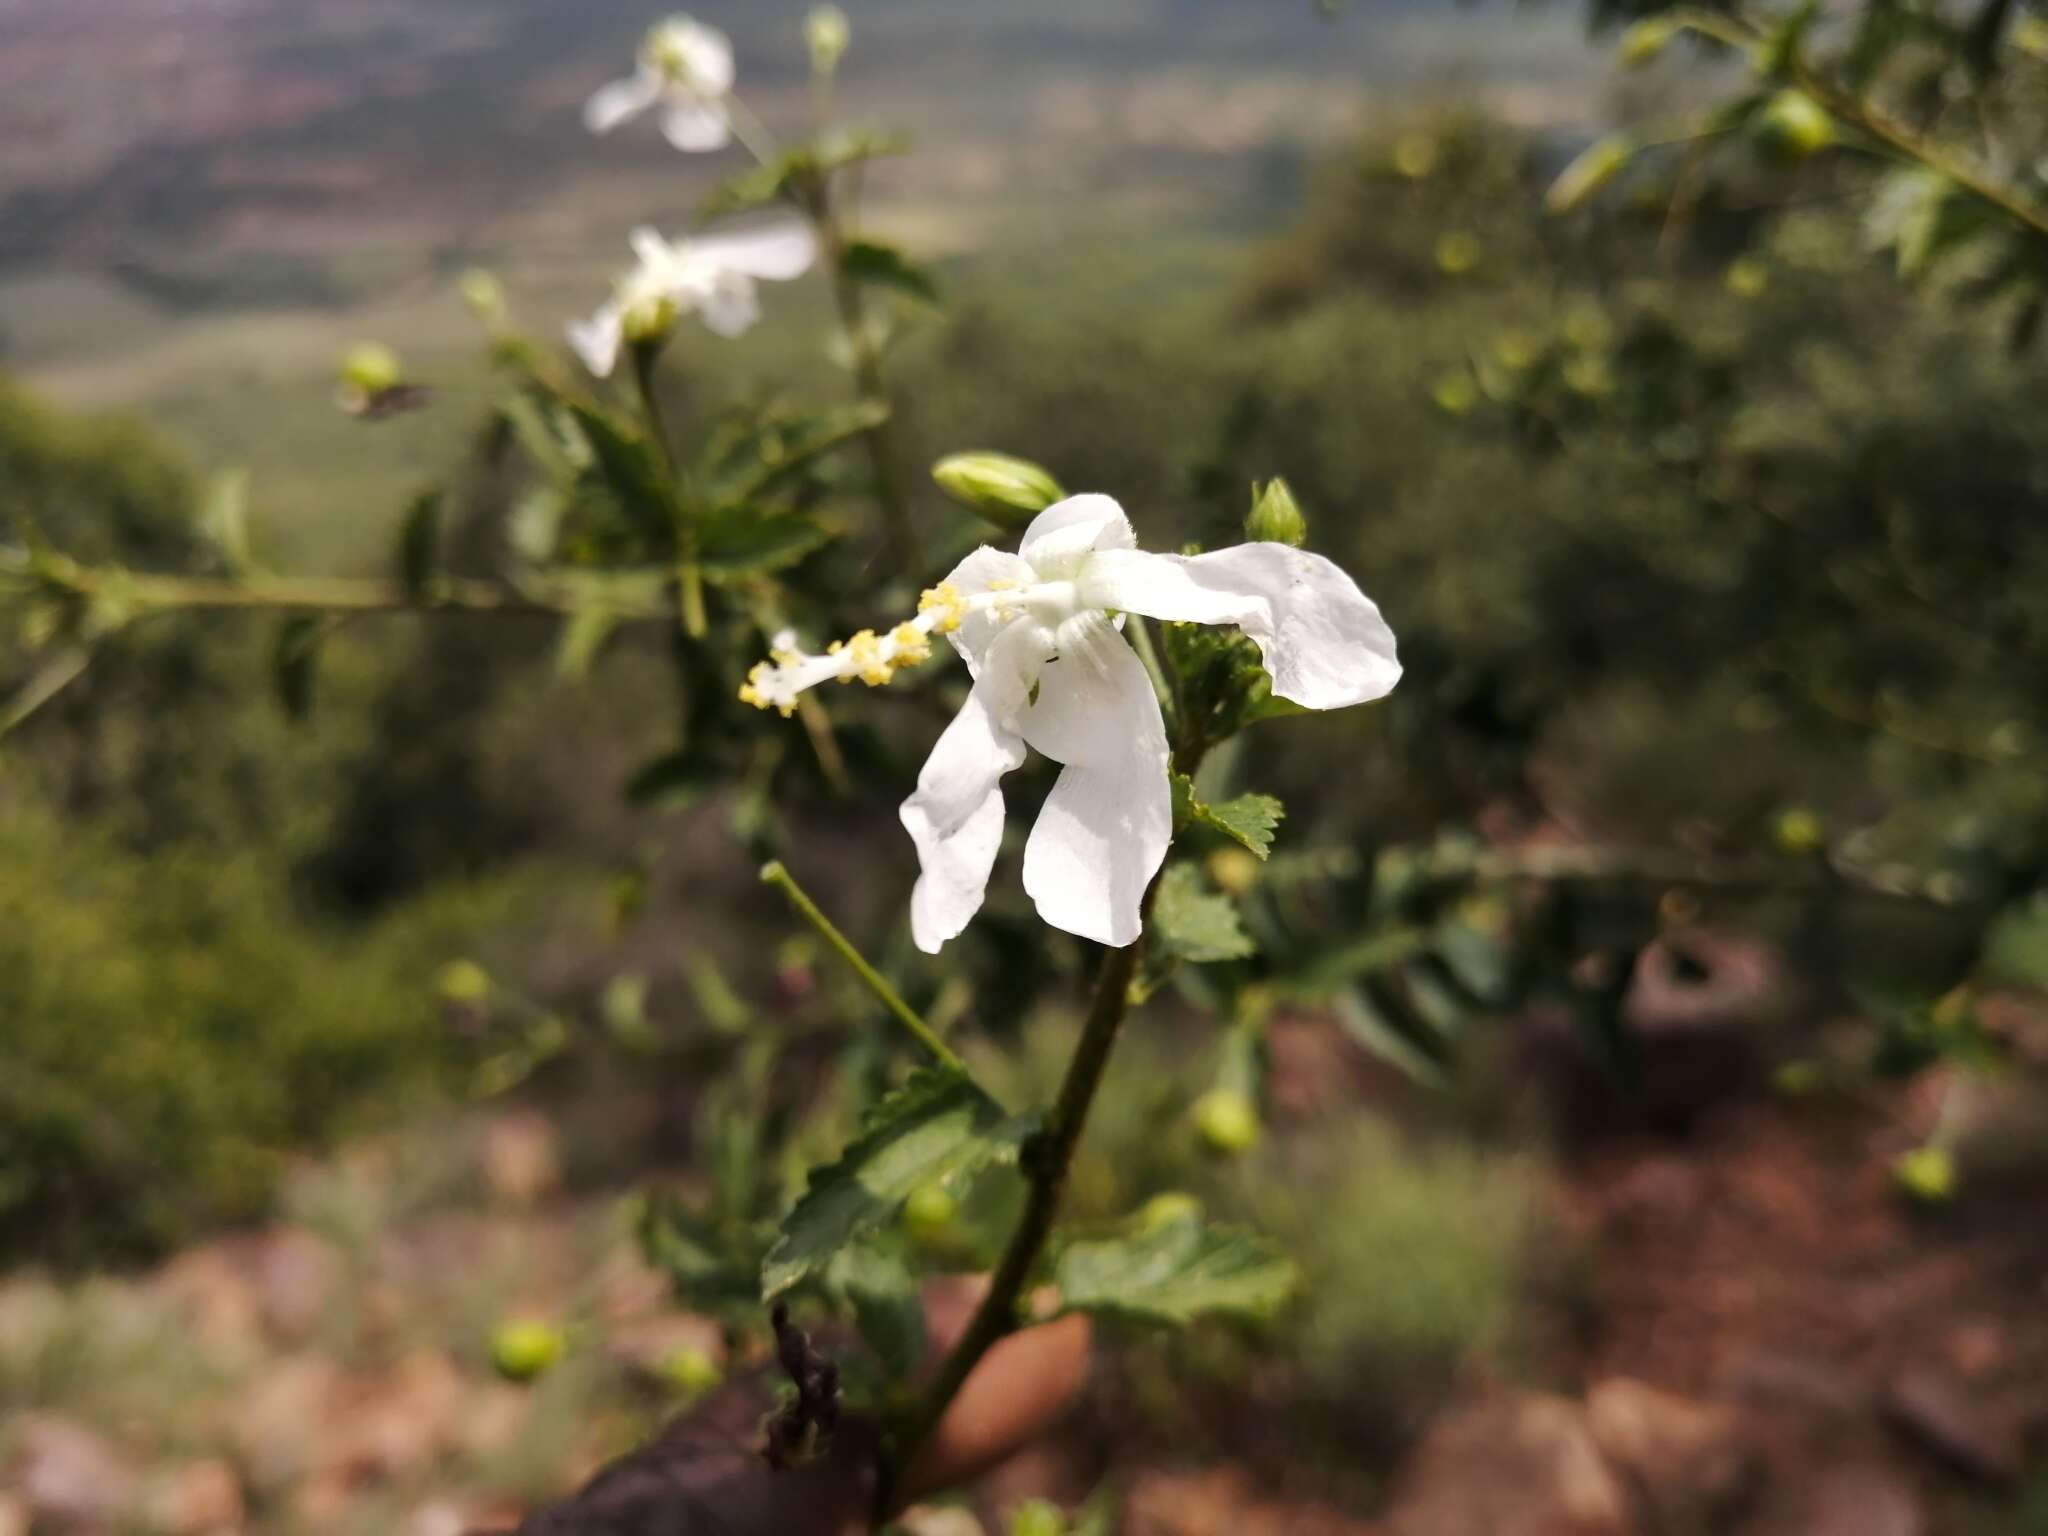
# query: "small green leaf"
[1175,1273]
[1589,171]
[419,544]
[883,266]
[631,470]
[938,1126]
[224,520]
[886,1306]
[295,663]
[736,543]
[583,635]
[1248,819]
[1194,923]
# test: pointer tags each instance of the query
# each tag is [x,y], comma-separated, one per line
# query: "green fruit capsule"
[1227,1122]
[523,1351]
[1793,127]
[929,1212]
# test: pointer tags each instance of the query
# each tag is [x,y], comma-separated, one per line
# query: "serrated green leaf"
[781,448]
[419,544]
[1248,819]
[886,1306]
[938,1127]
[631,470]
[1176,1273]
[883,266]
[735,543]
[1194,923]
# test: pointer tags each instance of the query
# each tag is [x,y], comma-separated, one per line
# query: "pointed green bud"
[1645,39]
[1276,516]
[1008,491]
[1793,127]
[1594,166]
[827,34]
[1035,1517]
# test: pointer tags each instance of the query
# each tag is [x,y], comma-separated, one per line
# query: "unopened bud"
[522,1351]
[649,321]
[1645,39]
[1926,1174]
[1235,870]
[1793,127]
[827,33]
[1008,491]
[370,369]
[1798,832]
[463,983]
[1037,1518]
[483,296]
[1276,516]
[928,1213]
[691,1371]
[1167,1210]
[1227,1122]
[1590,170]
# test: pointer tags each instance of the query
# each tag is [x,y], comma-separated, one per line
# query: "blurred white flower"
[685,68]
[1039,631]
[712,275]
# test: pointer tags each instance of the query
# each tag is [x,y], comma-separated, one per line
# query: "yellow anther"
[869,664]
[911,645]
[946,604]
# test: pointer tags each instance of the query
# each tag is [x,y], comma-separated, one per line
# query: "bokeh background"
[1647,1034]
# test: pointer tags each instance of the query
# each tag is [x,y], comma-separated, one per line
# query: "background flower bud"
[1276,516]
[1227,1122]
[370,368]
[1008,491]
[1793,127]
[522,1351]
[826,34]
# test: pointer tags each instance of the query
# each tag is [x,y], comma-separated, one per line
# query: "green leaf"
[883,266]
[938,1126]
[737,543]
[631,470]
[1194,923]
[295,663]
[788,172]
[886,1306]
[778,449]
[582,636]
[419,544]
[1176,1273]
[1248,819]
[1368,1027]
[224,520]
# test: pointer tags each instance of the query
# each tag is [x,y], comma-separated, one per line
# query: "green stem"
[774,873]
[1140,634]
[689,574]
[1048,1157]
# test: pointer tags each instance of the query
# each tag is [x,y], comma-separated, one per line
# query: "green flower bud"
[1798,832]
[463,982]
[1926,1174]
[1415,154]
[522,1351]
[1746,277]
[1235,870]
[1457,253]
[648,321]
[1037,1518]
[1590,170]
[1645,39]
[691,1372]
[370,369]
[483,296]
[1227,1122]
[826,34]
[1167,1209]
[929,1212]
[1008,491]
[1793,127]
[1276,516]
[1456,393]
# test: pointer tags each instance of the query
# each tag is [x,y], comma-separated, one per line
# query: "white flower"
[712,275]
[1051,671]
[684,67]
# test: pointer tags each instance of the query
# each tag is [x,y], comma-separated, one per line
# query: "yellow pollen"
[869,664]
[911,645]
[945,602]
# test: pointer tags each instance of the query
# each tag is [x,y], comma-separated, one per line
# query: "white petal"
[1067,532]
[1106,825]
[695,126]
[1322,639]
[956,815]
[597,340]
[776,251]
[709,52]
[729,307]
[614,103]
[982,571]
[655,254]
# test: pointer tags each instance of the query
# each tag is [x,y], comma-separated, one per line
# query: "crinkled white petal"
[778,251]
[597,340]
[956,816]
[1322,639]
[729,306]
[612,104]
[695,126]
[984,570]
[1062,536]
[1104,830]
[709,55]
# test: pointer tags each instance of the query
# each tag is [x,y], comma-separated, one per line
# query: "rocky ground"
[1769,1341]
